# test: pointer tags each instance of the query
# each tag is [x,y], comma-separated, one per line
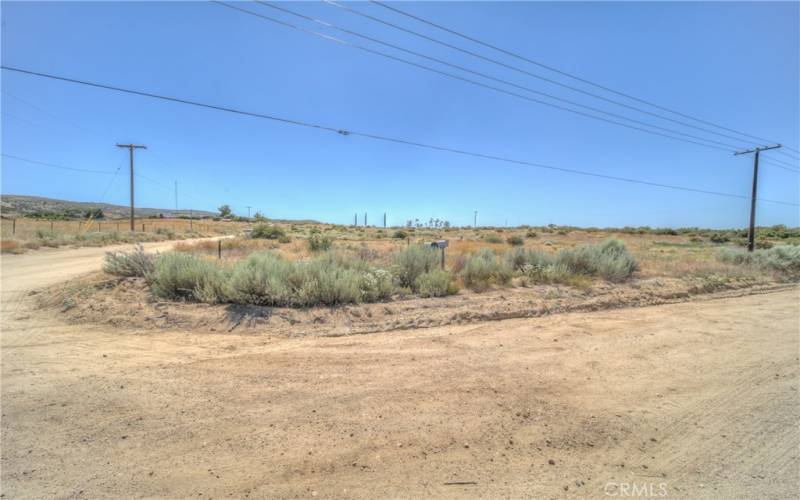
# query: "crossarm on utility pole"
[751,231]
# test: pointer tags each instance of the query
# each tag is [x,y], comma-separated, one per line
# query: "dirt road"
[691,400]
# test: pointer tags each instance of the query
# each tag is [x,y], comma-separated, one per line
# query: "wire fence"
[28,228]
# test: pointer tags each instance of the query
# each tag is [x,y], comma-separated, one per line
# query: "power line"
[484,75]
[473,82]
[555,70]
[53,165]
[345,132]
[774,163]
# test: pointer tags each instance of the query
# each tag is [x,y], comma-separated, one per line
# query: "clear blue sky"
[735,64]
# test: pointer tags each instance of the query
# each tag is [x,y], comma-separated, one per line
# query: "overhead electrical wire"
[481,74]
[542,65]
[53,165]
[345,132]
[473,82]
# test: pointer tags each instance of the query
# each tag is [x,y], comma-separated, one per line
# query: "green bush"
[781,258]
[719,238]
[183,276]
[400,234]
[483,269]
[515,241]
[493,238]
[435,283]
[264,231]
[136,263]
[519,258]
[413,261]
[319,243]
[265,278]
[610,260]
[531,234]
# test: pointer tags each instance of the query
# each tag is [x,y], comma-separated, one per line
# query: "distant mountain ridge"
[12,205]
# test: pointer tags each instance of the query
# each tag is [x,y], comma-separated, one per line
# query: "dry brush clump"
[483,269]
[609,260]
[134,264]
[781,259]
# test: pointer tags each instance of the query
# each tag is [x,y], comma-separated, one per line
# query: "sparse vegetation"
[318,242]
[413,262]
[435,283]
[483,269]
[515,241]
[135,263]
[784,259]
[268,232]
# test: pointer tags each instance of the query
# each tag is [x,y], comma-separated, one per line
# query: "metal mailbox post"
[439,244]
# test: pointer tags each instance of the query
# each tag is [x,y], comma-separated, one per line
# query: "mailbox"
[439,244]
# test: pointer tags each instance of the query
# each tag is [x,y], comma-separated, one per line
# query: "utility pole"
[131,147]
[355,219]
[248,212]
[475,223]
[365,219]
[384,220]
[751,232]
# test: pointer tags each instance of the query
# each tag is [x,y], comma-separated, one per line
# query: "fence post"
[117,226]
[142,227]
[219,249]
[99,227]
[13,226]
[51,226]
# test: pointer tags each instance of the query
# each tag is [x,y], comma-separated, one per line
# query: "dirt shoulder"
[47,267]
[697,398]
[99,298]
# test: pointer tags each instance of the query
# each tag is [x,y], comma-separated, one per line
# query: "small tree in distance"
[225,211]
[259,217]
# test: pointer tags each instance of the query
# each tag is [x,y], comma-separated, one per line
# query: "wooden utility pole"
[365,219]
[384,220]
[751,232]
[131,147]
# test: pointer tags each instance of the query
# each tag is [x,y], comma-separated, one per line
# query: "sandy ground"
[689,400]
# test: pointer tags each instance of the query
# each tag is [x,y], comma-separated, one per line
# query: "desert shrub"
[515,241]
[283,239]
[44,234]
[318,243]
[135,263]
[610,260]
[328,280]
[719,238]
[376,285]
[493,238]
[519,258]
[781,258]
[183,276]
[165,231]
[531,234]
[265,278]
[411,262]
[435,283]
[267,232]
[400,234]
[483,269]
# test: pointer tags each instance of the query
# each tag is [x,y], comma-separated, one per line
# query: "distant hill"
[12,205]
